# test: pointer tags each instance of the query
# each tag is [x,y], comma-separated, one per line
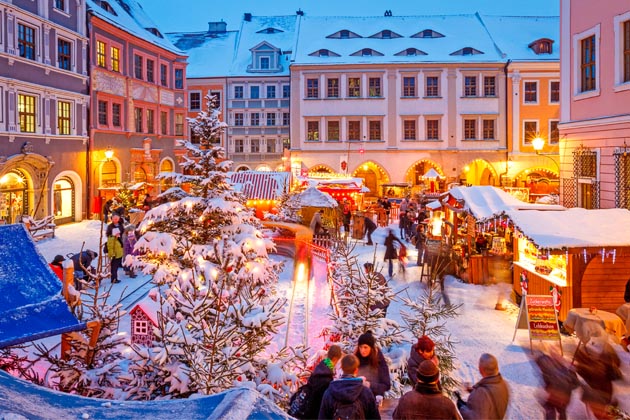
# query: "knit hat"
[58,259]
[428,372]
[367,338]
[425,344]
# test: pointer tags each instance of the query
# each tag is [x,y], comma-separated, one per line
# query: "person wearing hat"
[426,400]
[57,266]
[372,365]
[424,349]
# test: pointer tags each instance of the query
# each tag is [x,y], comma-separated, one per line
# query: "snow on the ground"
[480,328]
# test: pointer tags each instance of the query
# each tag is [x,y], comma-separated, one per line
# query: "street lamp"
[538,143]
[109,153]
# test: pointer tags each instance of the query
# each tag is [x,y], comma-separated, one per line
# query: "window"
[271,119]
[238,92]
[433,129]
[286,118]
[150,71]
[141,327]
[432,87]
[354,130]
[115,59]
[26,41]
[409,86]
[530,131]
[271,92]
[286,91]
[137,66]
[102,112]
[150,121]
[333,131]
[63,117]
[60,4]
[116,115]
[312,88]
[238,146]
[164,123]
[271,145]
[254,119]
[100,54]
[354,87]
[64,54]
[489,86]
[238,119]
[470,86]
[264,63]
[333,88]
[179,79]
[254,146]
[470,129]
[179,124]
[374,84]
[138,119]
[217,99]
[554,133]
[531,92]
[163,74]
[626,51]
[409,129]
[587,67]
[312,131]
[254,92]
[554,92]
[375,130]
[286,143]
[488,130]
[195,101]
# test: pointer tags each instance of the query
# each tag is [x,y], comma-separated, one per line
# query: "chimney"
[247,17]
[217,27]
[299,12]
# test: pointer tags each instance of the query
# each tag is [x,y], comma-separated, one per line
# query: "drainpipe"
[507,131]
[88,121]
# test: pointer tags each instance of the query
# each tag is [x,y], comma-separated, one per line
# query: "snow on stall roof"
[513,34]
[460,31]
[260,185]
[574,227]
[485,202]
[312,197]
[209,53]
[131,18]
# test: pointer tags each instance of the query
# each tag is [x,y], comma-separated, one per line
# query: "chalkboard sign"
[434,247]
[538,314]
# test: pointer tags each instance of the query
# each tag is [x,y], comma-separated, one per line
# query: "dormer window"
[264,63]
[367,52]
[542,46]
[265,59]
[386,34]
[269,31]
[427,33]
[155,32]
[344,34]
[467,51]
[410,52]
[106,6]
[324,53]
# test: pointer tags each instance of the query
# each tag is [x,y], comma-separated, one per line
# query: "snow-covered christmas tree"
[215,283]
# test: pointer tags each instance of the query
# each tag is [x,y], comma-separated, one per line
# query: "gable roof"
[209,53]
[31,304]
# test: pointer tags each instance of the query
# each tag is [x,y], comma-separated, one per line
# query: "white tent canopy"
[312,197]
[431,173]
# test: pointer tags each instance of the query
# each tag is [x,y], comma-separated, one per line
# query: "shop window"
[63,200]
[13,197]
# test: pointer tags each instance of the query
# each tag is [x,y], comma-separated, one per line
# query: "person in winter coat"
[421,242]
[390,251]
[348,390]
[57,266]
[426,400]
[319,380]
[402,223]
[107,209]
[80,261]
[489,397]
[380,279]
[423,350]
[129,242]
[372,365]
[115,245]
[347,217]
[560,381]
[370,227]
[316,223]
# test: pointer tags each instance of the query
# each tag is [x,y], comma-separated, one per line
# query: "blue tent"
[31,305]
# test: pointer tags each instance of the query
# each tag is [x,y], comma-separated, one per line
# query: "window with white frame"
[254,119]
[264,63]
[312,88]
[621,50]
[530,95]
[286,118]
[194,101]
[470,129]
[488,129]
[312,131]
[470,86]
[64,117]
[409,130]
[489,86]
[238,146]
[588,63]
[626,51]
[140,327]
[554,92]
[271,145]
[530,131]
[271,119]
[238,92]
[286,91]
[271,92]
[254,92]
[238,119]
[254,145]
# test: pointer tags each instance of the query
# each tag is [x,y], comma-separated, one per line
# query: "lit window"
[100,54]
[374,87]
[354,87]
[115,59]
[312,130]
[530,131]
[63,118]
[26,108]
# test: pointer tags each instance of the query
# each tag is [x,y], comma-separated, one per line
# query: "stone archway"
[321,169]
[67,197]
[539,181]
[415,175]
[374,175]
[479,172]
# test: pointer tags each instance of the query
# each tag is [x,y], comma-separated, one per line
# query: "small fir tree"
[125,196]
[288,209]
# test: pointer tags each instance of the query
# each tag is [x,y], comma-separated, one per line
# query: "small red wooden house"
[143,320]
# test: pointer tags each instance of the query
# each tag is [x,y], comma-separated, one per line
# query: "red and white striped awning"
[261,185]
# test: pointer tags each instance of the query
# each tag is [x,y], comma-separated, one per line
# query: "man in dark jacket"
[426,401]
[81,262]
[349,390]
[319,380]
[370,227]
[489,397]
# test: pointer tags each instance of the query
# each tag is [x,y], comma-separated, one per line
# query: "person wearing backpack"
[305,403]
[349,398]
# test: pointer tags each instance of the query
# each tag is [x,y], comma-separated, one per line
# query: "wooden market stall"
[262,189]
[310,201]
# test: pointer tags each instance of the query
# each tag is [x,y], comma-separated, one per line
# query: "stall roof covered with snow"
[312,197]
[31,304]
[259,185]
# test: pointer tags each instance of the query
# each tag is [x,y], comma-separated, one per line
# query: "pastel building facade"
[595,113]
[43,109]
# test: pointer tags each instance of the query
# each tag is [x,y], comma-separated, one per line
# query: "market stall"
[262,189]
[311,200]
[346,189]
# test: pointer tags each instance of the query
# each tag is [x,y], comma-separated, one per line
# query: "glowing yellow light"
[466,168]
[301,273]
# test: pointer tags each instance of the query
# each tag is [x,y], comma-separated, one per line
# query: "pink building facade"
[595,103]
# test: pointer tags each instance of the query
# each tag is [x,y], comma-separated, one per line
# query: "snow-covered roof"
[31,305]
[459,32]
[312,197]
[349,183]
[20,399]
[259,185]
[129,16]
[574,227]
[514,34]
[209,53]
[485,202]
[150,308]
